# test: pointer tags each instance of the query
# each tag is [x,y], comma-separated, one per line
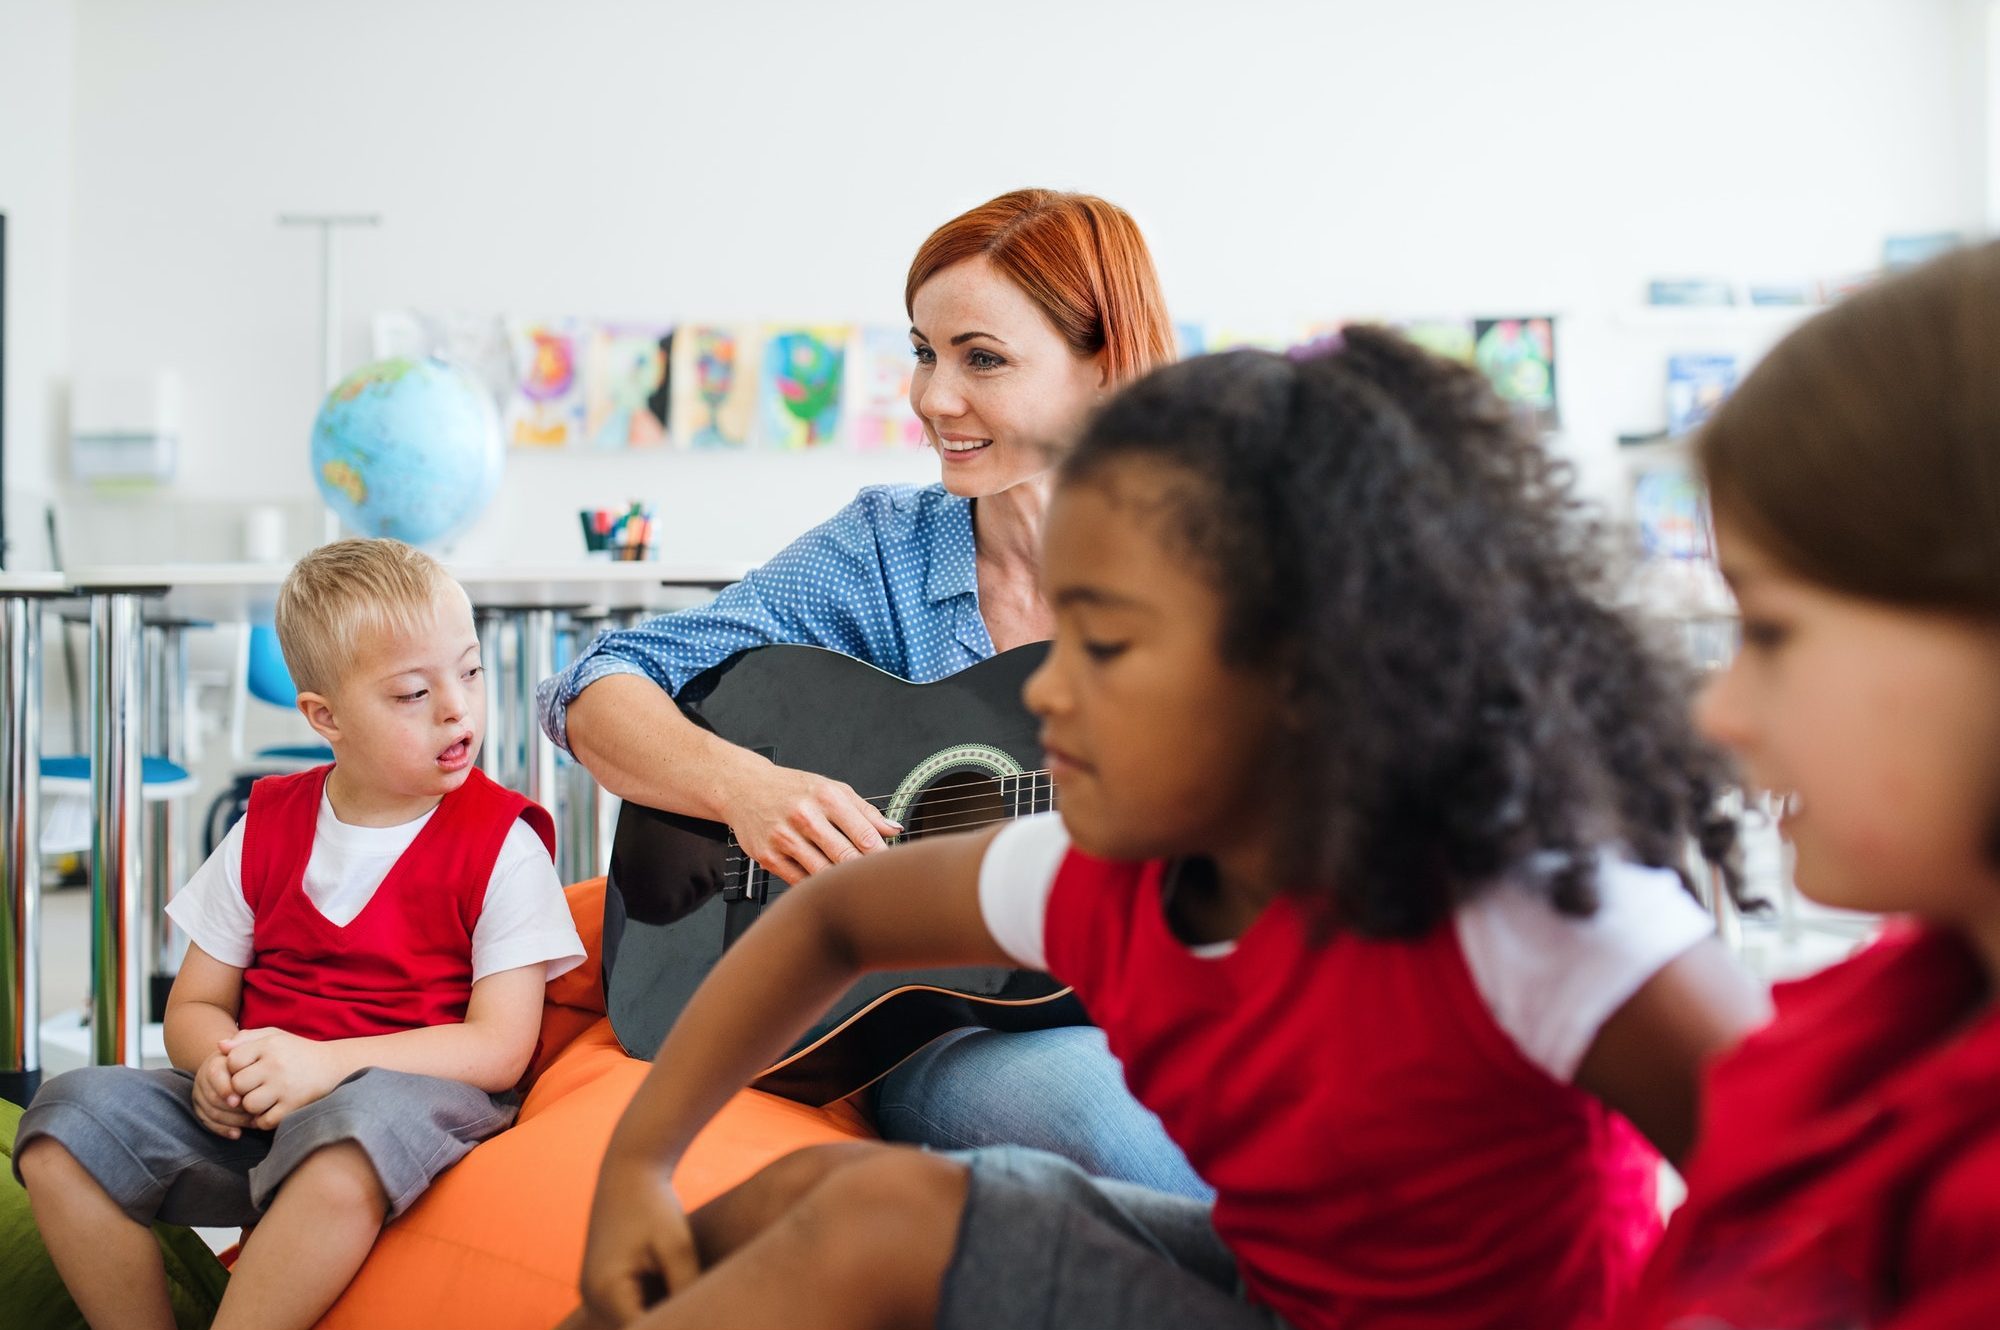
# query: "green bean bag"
[32,1291]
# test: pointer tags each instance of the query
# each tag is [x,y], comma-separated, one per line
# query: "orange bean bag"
[498,1241]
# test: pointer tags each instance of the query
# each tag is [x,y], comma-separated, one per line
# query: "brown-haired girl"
[1848,1173]
[1366,866]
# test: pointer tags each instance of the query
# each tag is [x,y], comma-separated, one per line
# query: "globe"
[408,448]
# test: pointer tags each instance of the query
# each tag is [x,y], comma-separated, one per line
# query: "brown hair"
[1863,453]
[1080,259]
[342,593]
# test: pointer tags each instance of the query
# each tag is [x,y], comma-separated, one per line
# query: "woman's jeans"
[1055,1090]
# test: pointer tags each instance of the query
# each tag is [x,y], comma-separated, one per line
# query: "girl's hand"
[275,1074]
[216,1103]
[640,1249]
[796,823]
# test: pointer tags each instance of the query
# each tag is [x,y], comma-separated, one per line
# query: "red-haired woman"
[1024,313]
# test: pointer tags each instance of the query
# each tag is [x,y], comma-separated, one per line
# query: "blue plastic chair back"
[269,680]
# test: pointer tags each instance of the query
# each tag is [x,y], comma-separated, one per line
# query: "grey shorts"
[1045,1246]
[136,1133]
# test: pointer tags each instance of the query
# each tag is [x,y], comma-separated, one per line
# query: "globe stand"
[329,306]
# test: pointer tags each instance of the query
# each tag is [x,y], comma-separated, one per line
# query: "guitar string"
[934,807]
[931,806]
[884,800]
[736,861]
[930,810]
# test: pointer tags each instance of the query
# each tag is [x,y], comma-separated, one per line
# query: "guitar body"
[960,752]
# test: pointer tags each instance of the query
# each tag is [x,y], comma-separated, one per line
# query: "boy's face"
[1156,742]
[406,719]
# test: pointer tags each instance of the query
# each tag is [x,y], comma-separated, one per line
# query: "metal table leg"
[165,732]
[493,751]
[117,952]
[538,662]
[20,847]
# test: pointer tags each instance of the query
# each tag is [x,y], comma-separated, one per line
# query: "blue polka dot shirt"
[889,579]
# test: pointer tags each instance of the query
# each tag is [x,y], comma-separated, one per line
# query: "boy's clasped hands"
[255,1078]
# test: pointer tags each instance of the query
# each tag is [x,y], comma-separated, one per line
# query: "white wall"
[37,63]
[760,160]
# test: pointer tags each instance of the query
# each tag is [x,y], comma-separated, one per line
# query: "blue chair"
[66,826]
[266,678]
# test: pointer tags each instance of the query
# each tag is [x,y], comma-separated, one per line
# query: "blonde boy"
[362,989]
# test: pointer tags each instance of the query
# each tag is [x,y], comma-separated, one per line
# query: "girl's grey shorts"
[1044,1246]
[136,1133]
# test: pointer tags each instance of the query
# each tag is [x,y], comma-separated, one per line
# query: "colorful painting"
[1261,339]
[546,407]
[880,364]
[712,375]
[1696,385]
[1518,356]
[625,386]
[1450,338]
[1671,514]
[799,398]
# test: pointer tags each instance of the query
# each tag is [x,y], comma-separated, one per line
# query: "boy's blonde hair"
[342,594]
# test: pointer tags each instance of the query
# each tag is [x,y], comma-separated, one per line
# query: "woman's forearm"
[635,741]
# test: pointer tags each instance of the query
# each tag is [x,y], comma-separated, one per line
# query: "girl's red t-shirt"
[1848,1169]
[1384,1156]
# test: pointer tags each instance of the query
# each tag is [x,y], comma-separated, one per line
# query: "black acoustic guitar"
[945,756]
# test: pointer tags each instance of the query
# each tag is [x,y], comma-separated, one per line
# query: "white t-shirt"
[525,919]
[1550,980]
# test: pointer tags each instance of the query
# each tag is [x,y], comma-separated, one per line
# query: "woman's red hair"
[1080,259]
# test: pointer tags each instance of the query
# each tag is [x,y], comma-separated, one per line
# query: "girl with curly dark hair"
[1372,816]
[1849,1166]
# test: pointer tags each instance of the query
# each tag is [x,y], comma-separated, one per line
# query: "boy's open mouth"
[458,755]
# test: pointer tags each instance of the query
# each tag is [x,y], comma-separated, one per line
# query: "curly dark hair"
[1412,564]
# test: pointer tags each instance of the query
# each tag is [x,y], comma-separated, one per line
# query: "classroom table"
[524,599]
[22,598]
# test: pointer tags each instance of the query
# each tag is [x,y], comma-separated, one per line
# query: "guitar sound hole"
[957,801]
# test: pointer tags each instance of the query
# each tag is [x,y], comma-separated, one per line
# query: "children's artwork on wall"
[1671,514]
[1450,338]
[712,375]
[880,364]
[625,386]
[799,399]
[1190,340]
[1518,356]
[546,408]
[1696,385]
[1261,339]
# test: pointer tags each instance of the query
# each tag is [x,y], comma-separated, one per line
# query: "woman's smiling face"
[998,389]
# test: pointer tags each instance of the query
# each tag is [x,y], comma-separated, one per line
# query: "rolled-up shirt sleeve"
[827,588]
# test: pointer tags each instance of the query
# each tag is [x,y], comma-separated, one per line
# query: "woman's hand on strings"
[796,823]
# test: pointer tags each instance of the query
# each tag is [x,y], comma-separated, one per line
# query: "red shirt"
[1382,1153]
[405,961]
[1848,1170]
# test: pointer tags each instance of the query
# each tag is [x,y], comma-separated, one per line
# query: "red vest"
[405,961]
[1848,1168]
[1382,1153]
